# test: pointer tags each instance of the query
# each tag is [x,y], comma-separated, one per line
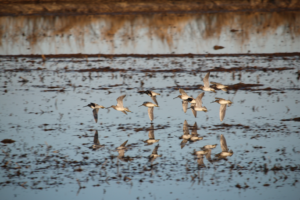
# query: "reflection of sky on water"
[19,122]
[151,34]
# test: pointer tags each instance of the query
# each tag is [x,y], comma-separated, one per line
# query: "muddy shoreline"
[100,7]
[147,55]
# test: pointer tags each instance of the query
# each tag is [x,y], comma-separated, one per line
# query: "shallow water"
[49,109]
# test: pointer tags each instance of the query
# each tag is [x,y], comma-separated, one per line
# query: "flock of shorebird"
[196,106]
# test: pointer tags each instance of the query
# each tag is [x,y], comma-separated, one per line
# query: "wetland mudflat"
[53,133]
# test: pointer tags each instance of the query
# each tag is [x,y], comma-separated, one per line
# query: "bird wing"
[120,101]
[223,143]
[194,130]
[184,106]
[222,111]
[151,132]
[205,80]
[150,113]
[96,140]
[154,99]
[182,92]
[95,113]
[155,149]
[123,145]
[199,100]
[193,110]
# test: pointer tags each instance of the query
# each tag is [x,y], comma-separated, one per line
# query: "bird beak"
[175,97]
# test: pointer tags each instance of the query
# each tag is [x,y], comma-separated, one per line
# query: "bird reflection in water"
[121,150]
[194,135]
[154,154]
[186,134]
[225,152]
[96,144]
[151,136]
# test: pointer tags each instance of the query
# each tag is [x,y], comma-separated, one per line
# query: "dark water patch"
[297,119]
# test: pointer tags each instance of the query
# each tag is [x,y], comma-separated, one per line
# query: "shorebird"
[184,96]
[224,148]
[151,94]
[194,135]
[95,108]
[223,106]
[220,86]
[154,154]
[186,99]
[222,101]
[206,84]
[198,106]
[119,106]
[152,139]
[96,144]
[150,109]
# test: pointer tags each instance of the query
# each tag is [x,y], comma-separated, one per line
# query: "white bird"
[206,86]
[95,108]
[151,94]
[223,105]
[198,106]
[119,106]
[220,86]
[150,109]
[184,96]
